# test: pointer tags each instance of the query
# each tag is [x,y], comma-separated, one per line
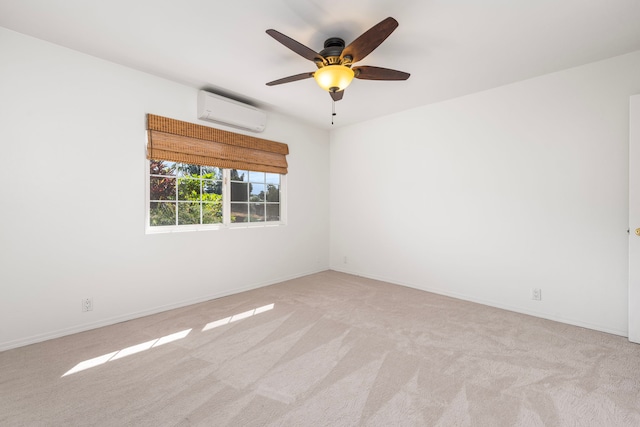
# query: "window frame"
[226,208]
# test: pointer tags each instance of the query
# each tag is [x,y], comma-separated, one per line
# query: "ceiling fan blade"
[290,79]
[378,73]
[371,39]
[295,46]
[337,96]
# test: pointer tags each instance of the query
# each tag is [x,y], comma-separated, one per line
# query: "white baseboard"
[490,303]
[130,316]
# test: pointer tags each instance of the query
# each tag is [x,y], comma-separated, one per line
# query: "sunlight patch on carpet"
[128,351]
[237,317]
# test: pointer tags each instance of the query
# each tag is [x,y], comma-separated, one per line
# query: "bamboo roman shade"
[184,142]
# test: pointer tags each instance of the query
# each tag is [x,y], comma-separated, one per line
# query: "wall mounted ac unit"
[216,108]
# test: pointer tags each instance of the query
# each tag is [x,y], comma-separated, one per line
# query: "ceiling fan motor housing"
[333,47]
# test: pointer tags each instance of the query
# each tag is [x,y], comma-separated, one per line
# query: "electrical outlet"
[536,294]
[345,260]
[87,304]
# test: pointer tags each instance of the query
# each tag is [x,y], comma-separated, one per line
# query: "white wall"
[487,196]
[72,134]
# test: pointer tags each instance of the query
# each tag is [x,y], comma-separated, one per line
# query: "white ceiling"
[450,47]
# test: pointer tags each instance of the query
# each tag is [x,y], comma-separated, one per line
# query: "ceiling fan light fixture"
[334,78]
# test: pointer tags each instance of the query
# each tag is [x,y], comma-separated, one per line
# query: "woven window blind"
[184,142]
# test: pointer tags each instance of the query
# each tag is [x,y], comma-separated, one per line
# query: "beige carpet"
[328,349]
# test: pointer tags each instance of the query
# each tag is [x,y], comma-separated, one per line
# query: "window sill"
[186,228]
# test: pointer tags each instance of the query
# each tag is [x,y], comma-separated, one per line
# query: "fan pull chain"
[333,110]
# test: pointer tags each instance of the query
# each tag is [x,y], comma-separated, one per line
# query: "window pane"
[162,167]
[273,193]
[210,189]
[273,212]
[211,172]
[189,189]
[256,176]
[256,192]
[273,178]
[239,192]
[212,213]
[239,212]
[162,188]
[257,212]
[237,175]
[184,169]
[188,213]
[162,213]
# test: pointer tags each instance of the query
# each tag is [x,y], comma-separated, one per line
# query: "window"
[201,177]
[255,196]
[182,194]
[189,197]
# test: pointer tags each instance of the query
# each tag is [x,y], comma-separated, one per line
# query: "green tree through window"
[189,195]
[183,194]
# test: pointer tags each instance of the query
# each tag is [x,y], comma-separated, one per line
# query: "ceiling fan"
[334,62]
